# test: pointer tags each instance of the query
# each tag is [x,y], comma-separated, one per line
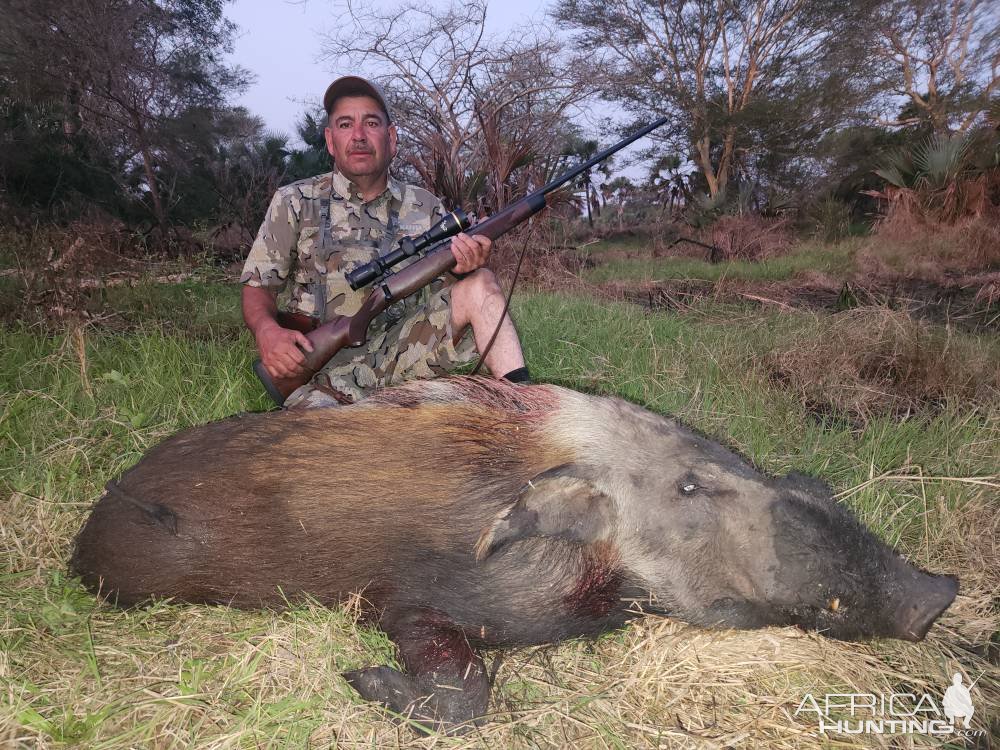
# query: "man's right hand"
[279,350]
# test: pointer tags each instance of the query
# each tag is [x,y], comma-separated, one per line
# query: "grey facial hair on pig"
[659,475]
[718,542]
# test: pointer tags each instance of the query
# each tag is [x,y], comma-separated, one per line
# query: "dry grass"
[750,237]
[59,270]
[87,247]
[545,266]
[77,674]
[873,361]
[908,247]
[218,678]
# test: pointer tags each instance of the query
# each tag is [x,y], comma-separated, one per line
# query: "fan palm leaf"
[898,169]
[941,160]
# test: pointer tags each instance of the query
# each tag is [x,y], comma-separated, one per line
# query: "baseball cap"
[353,86]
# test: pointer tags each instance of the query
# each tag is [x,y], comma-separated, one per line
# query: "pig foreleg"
[445,686]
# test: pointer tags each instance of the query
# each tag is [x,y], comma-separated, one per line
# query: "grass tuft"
[874,361]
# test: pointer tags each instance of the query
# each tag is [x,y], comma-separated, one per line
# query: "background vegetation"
[817,112]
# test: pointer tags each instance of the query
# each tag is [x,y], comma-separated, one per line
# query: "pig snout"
[923,598]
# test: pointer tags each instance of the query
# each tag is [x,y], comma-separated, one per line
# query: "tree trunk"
[705,163]
[71,120]
[586,192]
[154,191]
[725,160]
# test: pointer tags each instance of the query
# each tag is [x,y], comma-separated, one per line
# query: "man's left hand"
[470,252]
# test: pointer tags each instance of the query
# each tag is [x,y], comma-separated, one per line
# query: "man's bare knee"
[468,296]
[476,287]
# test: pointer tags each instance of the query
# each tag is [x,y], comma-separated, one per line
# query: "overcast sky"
[281,41]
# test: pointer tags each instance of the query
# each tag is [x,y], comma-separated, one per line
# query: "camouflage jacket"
[292,243]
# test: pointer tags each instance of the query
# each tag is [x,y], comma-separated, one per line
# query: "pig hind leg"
[445,686]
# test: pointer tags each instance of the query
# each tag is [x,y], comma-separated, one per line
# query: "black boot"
[521,376]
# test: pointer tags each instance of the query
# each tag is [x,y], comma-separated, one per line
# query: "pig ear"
[808,485]
[553,504]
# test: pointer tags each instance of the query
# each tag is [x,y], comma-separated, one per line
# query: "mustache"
[360,150]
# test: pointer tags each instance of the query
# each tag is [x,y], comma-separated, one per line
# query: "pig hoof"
[447,711]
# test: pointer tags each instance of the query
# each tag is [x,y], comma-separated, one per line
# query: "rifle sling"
[506,307]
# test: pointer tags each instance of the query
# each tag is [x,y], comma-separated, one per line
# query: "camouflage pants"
[418,345]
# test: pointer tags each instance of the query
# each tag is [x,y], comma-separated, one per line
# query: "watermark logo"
[957,703]
[893,713]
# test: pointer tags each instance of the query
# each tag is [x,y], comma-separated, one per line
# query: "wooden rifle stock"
[332,336]
[297,321]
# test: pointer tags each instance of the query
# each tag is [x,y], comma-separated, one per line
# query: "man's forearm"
[260,307]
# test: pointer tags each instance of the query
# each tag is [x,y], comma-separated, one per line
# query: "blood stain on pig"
[596,591]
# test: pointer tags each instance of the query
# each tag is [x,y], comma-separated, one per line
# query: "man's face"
[360,138]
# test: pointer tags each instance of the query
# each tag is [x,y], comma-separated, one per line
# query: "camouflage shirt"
[291,243]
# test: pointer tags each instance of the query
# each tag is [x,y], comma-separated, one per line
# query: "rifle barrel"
[581,168]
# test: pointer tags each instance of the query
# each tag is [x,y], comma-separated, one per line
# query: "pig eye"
[689,483]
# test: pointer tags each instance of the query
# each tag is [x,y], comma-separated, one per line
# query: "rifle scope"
[449,226]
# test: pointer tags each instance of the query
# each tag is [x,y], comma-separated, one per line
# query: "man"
[317,230]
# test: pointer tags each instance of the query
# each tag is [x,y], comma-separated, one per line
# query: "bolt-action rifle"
[389,286]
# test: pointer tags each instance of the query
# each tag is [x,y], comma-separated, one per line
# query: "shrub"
[749,237]
[941,180]
[827,219]
[871,361]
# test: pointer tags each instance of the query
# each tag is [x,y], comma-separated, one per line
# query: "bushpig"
[471,513]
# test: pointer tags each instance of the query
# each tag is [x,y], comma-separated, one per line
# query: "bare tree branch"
[472,112]
[943,56]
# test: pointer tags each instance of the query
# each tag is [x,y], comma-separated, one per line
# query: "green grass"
[191,306]
[76,673]
[835,261]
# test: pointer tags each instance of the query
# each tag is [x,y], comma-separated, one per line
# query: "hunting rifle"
[352,330]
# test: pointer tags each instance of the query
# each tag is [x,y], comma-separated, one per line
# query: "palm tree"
[621,188]
[582,149]
[671,186]
[936,179]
